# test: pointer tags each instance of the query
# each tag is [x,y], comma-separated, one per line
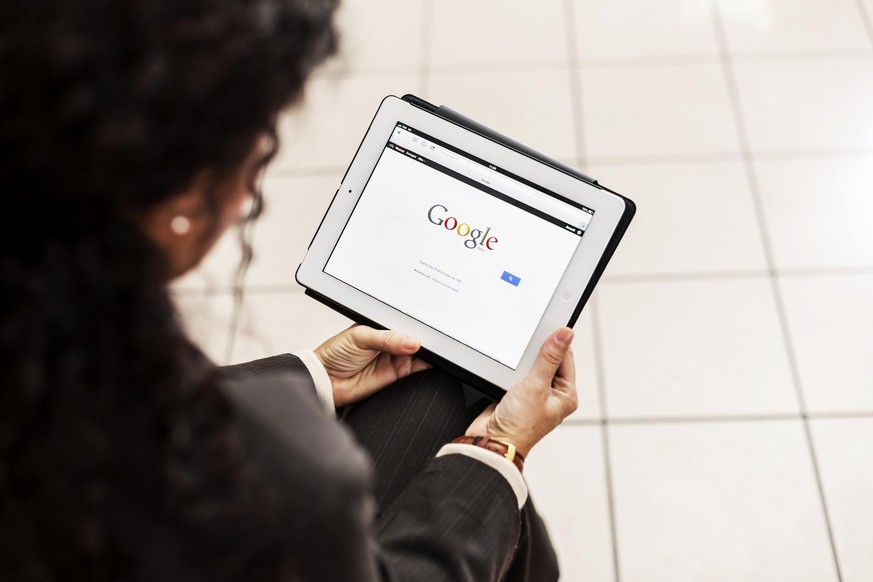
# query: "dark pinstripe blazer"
[457,520]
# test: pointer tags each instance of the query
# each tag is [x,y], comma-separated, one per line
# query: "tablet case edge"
[484,386]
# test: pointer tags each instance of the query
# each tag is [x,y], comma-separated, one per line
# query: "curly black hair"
[107,108]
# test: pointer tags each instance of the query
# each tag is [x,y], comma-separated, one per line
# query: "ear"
[182,225]
[185,226]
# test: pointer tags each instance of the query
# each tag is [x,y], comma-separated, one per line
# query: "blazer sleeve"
[283,363]
[458,520]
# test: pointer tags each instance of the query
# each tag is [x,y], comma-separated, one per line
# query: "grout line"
[675,277]
[839,415]
[714,59]
[799,55]
[290,288]
[821,492]
[858,270]
[201,291]
[343,72]
[742,132]
[751,175]
[604,433]
[427,10]
[866,19]
[513,67]
[681,158]
[366,72]
[583,422]
[655,420]
[813,154]
[703,419]
[575,78]
[761,156]
[647,61]
[314,171]
[633,160]
[825,271]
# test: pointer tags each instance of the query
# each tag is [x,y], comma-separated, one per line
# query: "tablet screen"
[459,244]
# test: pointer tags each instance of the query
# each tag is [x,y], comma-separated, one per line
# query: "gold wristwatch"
[504,449]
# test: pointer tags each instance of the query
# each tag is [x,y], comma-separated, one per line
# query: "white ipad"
[449,232]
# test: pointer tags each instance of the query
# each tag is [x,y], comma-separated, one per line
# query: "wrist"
[497,445]
[319,355]
[521,445]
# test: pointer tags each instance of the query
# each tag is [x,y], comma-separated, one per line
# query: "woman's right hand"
[539,403]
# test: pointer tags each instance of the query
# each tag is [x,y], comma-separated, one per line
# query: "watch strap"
[505,449]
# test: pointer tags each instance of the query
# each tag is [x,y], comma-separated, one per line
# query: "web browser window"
[458,243]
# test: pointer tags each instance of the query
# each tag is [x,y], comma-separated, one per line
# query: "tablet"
[447,231]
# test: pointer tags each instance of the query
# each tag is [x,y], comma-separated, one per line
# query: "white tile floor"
[726,362]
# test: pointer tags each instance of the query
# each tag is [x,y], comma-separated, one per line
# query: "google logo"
[462,228]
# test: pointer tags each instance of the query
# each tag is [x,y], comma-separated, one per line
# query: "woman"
[131,135]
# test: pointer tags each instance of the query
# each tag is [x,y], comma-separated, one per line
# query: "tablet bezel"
[608,207]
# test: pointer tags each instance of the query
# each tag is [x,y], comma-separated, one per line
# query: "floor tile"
[818,211]
[363,48]
[206,317]
[668,28]
[830,320]
[691,218]
[693,348]
[532,107]
[587,385]
[843,449]
[497,32]
[720,502]
[565,473]
[661,110]
[807,104]
[293,209]
[218,268]
[784,25]
[324,131]
[278,323]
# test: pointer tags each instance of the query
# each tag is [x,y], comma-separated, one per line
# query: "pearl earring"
[180,225]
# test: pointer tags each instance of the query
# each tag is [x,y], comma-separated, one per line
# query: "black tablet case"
[481,384]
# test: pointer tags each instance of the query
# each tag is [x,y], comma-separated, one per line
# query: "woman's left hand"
[361,361]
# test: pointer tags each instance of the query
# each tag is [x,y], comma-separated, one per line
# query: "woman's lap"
[404,425]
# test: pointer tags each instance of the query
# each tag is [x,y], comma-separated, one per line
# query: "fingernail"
[411,343]
[565,337]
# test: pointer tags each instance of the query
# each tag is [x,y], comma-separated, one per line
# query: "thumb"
[387,341]
[551,355]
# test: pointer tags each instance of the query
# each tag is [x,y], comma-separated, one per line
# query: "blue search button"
[510,278]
